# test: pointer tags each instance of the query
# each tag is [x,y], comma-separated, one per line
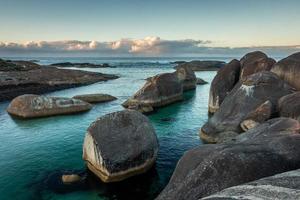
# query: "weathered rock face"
[187,77]
[45,79]
[289,106]
[120,145]
[31,106]
[206,65]
[260,114]
[288,69]
[95,98]
[160,90]
[255,62]
[281,186]
[208,169]
[222,84]
[244,98]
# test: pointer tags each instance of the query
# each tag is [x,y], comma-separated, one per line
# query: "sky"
[156,27]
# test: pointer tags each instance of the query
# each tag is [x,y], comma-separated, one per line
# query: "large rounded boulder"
[288,69]
[246,97]
[95,98]
[289,106]
[255,62]
[32,106]
[160,90]
[187,77]
[120,145]
[222,84]
[268,149]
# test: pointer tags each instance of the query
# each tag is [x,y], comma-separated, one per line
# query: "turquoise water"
[34,153]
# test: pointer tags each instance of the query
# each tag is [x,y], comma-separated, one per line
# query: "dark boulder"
[200,81]
[280,186]
[120,145]
[289,106]
[160,90]
[288,69]
[244,98]
[222,84]
[255,62]
[210,168]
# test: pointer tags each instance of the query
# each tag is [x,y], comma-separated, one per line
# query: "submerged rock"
[200,81]
[95,98]
[288,69]
[244,99]
[255,62]
[31,106]
[205,65]
[187,77]
[280,186]
[71,178]
[266,150]
[120,145]
[222,84]
[160,90]
[289,106]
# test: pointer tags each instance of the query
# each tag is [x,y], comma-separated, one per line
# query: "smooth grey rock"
[120,145]
[95,98]
[211,168]
[289,106]
[187,77]
[278,187]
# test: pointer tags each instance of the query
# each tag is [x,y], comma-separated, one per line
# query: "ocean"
[36,152]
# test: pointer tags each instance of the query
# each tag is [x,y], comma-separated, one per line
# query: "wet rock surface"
[33,106]
[120,145]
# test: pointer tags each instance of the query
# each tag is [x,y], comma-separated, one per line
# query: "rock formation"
[187,77]
[206,65]
[120,145]
[95,98]
[289,106]
[222,84]
[32,106]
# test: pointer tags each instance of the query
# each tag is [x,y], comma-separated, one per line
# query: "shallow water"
[34,153]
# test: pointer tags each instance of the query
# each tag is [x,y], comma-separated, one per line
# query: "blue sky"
[224,23]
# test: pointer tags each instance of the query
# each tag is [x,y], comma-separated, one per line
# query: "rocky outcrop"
[281,186]
[80,65]
[289,106]
[206,65]
[32,106]
[187,77]
[95,98]
[255,62]
[45,79]
[222,84]
[288,69]
[120,145]
[268,149]
[200,81]
[244,98]
[160,90]
[10,65]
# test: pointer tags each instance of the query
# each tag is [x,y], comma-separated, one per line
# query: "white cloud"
[149,46]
